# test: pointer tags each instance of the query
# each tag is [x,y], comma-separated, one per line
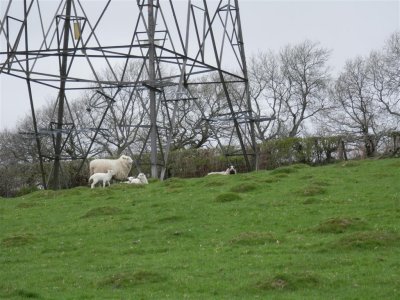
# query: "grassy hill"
[297,232]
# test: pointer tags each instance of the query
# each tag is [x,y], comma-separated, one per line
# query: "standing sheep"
[105,178]
[120,166]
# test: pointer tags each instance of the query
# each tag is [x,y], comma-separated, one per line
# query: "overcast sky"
[348,28]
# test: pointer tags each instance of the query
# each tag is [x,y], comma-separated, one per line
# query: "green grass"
[297,232]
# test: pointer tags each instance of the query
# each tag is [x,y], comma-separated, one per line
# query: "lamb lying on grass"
[121,166]
[141,179]
[101,177]
[230,171]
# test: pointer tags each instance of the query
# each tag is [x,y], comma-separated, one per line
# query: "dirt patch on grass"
[289,282]
[244,188]
[340,225]
[102,211]
[126,280]
[227,197]
[369,240]
[18,240]
[254,238]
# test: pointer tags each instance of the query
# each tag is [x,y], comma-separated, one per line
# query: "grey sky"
[348,28]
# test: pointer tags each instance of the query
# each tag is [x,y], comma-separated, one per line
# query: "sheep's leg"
[93,184]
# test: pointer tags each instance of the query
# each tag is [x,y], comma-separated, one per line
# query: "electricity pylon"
[176,49]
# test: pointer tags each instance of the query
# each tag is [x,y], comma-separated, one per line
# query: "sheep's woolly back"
[120,166]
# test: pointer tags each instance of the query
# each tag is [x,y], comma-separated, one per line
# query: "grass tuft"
[319,182]
[271,179]
[243,188]
[77,191]
[214,183]
[254,238]
[102,211]
[311,201]
[339,225]
[170,219]
[27,205]
[174,182]
[349,164]
[369,240]
[281,176]
[228,197]
[289,282]
[311,190]
[27,294]
[300,166]
[284,170]
[18,240]
[127,280]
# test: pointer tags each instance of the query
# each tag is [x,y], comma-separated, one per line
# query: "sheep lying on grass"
[230,171]
[141,179]
[120,166]
[101,177]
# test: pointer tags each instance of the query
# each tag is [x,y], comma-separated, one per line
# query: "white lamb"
[230,171]
[120,166]
[141,179]
[105,178]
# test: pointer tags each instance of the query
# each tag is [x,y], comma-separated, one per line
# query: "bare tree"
[192,128]
[267,91]
[384,69]
[306,76]
[291,87]
[357,111]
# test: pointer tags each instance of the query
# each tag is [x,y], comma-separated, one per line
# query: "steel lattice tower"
[176,50]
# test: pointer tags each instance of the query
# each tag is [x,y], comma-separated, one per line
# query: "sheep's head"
[127,159]
[142,178]
[232,170]
[112,172]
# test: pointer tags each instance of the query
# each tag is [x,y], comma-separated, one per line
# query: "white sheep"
[105,178]
[230,171]
[141,179]
[120,166]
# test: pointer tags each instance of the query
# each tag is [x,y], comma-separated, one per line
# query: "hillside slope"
[297,232]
